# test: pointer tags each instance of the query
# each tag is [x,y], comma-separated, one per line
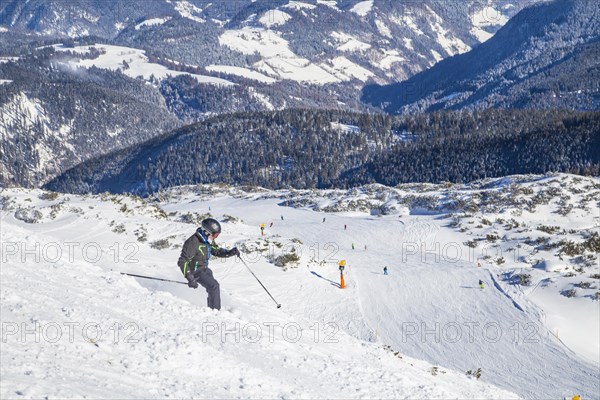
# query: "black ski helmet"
[211,226]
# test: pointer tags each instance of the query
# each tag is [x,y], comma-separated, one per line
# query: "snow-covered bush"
[584,285]
[28,215]
[50,196]
[593,243]
[524,279]
[476,373]
[492,237]
[6,203]
[471,243]
[119,228]
[571,248]
[141,234]
[125,210]
[549,229]
[229,218]
[160,244]
[194,218]
[55,209]
[285,259]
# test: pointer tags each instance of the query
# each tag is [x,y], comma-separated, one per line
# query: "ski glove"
[191,280]
[233,252]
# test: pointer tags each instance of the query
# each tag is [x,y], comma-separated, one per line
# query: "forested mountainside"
[307,149]
[545,57]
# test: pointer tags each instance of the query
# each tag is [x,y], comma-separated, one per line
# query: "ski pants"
[204,276]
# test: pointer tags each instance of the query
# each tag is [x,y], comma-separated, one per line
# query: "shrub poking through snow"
[160,244]
[524,279]
[119,228]
[50,196]
[28,215]
[549,229]
[492,237]
[232,219]
[285,259]
[476,373]
[194,218]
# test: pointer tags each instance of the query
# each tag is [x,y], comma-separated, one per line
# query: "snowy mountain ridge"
[383,322]
[544,57]
[198,59]
[427,31]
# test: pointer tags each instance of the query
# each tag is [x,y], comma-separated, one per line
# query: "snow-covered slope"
[277,60]
[448,28]
[361,342]
[105,335]
[132,62]
[557,37]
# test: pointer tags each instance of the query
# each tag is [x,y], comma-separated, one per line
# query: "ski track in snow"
[425,298]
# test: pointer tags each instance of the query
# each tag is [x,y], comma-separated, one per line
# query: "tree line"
[331,148]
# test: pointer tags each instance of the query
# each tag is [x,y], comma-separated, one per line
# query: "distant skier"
[282,217]
[385,270]
[481,284]
[323,219]
[345,226]
[271,225]
[196,253]
[352,245]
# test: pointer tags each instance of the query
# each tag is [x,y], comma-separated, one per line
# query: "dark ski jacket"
[197,251]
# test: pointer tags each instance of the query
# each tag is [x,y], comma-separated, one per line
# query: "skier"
[195,254]
[481,283]
[271,225]
[352,245]
[345,226]
[385,270]
[323,219]
[282,217]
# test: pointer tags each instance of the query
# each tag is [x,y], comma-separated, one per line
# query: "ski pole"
[263,286]
[155,279]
